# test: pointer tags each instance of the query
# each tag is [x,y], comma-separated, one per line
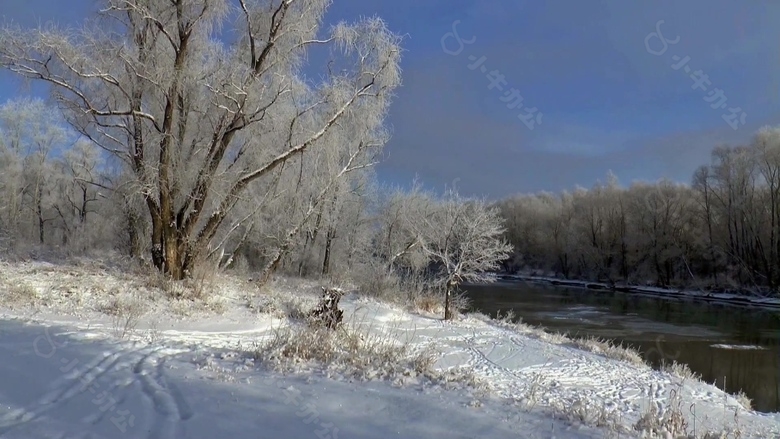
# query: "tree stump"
[328,312]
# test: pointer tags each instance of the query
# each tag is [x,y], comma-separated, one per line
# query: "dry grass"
[185,307]
[154,280]
[202,280]
[347,349]
[667,420]
[195,294]
[355,349]
[508,319]
[744,400]
[609,349]
[19,294]
[429,304]
[153,335]
[585,412]
[374,280]
[298,307]
[680,370]
[459,302]
[460,377]
[281,306]
[126,312]
[536,389]
[411,290]
[199,286]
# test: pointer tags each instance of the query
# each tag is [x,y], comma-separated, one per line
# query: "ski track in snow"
[127,370]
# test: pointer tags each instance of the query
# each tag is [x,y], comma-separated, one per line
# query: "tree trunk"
[41,228]
[328,243]
[84,202]
[174,266]
[302,269]
[39,211]
[134,240]
[271,267]
[158,257]
[311,238]
[447,299]
[169,254]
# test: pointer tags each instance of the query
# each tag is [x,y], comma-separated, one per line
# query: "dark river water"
[738,346]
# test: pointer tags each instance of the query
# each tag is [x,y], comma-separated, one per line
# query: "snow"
[196,376]
[738,347]
[165,396]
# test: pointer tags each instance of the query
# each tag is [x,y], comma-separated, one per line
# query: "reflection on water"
[737,345]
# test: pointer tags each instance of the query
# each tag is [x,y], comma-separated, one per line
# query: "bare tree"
[31,132]
[197,120]
[400,221]
[767,155]
[464,238]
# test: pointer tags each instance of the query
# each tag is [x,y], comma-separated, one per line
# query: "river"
[724,344]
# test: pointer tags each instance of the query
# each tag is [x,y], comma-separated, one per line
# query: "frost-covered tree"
[31,133]
[723,228]
[203,99]
[452,238]
[465,239]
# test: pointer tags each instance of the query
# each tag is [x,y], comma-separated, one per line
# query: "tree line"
[721,230]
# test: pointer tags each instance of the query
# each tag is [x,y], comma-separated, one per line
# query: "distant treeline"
[722,230]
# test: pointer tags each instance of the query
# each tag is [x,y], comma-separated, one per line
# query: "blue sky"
[607,102]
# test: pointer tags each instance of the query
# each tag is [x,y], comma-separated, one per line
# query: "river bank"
[735,347]
[725,297]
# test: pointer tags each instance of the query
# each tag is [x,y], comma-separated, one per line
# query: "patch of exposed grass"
[126,312]
[609,349]
[664,418]
[18,294]
[744,400]
[586,412]
[346,349]
[680,370]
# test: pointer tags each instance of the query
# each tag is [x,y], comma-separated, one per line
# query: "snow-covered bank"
[724,298]
[134,390]
[197,376]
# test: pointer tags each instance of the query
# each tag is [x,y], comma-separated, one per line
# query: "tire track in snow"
[69,386]
[167,409]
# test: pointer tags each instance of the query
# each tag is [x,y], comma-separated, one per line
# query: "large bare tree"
[203,98]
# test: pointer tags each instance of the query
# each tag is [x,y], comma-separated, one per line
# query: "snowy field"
[92,352]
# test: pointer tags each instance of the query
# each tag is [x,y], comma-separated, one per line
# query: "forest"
[722,230]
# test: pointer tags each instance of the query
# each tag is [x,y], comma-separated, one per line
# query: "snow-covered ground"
[65,374]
